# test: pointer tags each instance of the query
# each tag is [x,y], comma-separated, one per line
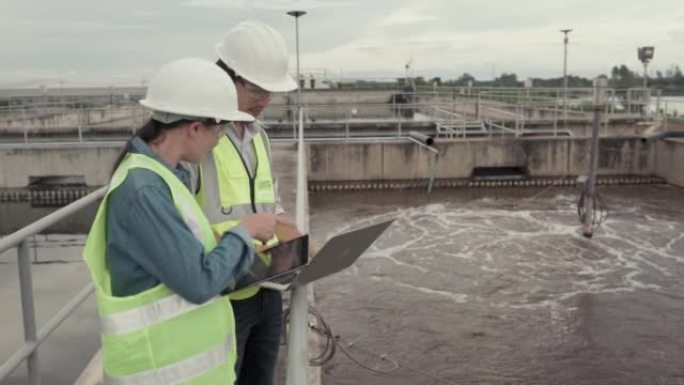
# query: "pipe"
[665,135]
[422,137]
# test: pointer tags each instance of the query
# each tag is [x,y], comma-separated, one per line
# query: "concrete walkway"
[58,277]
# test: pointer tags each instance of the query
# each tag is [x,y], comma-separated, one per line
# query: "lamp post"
[645,56]
[296,15]
[565,76]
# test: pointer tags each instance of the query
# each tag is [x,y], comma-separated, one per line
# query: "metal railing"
[469,108]
[32,337]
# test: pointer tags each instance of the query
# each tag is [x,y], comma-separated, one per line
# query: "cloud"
[80,26]
[406,16]
[445,37]
[677,35]
[280,5]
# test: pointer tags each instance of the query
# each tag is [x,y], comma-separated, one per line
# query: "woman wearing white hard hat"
[157,265]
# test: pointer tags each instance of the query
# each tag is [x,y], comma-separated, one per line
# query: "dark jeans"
[258,323]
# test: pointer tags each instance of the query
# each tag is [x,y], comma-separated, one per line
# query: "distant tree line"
[670,82]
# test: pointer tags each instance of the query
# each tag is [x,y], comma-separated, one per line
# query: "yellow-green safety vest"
[157,337]
[227,194]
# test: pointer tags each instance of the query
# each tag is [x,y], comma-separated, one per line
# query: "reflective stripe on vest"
[141,317]
[180,372]
[157,337]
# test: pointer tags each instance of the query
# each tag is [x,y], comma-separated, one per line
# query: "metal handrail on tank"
[33,338]
[104,117]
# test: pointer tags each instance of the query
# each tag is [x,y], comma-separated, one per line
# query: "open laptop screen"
[286,257]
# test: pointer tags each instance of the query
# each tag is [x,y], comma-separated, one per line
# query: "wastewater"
[468,286]
[499,287]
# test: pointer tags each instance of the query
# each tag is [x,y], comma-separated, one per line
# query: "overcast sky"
[122,42]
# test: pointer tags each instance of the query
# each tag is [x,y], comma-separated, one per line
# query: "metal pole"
[294,123]
[433,162]
[296,15]
[35,248]
[28,311]
[645,75]
[23,116]
[666,127]
[599,87]
[346,125]
[80,127]
[647,93]
[297,348]
[565,77]
[433,168]
[299,83]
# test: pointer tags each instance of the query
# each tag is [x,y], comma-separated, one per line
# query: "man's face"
[252,99]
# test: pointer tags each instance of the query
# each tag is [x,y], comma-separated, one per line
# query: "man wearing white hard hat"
[236,180]
[157,264]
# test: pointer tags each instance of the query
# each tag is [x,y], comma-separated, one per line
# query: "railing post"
[297,348]
[23,119]
[346,124]
[555,119]
[666,127]
[28,311]
[35,248]
[294,123]
[80,125]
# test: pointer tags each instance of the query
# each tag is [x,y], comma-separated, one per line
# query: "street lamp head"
[565,32]
[645,54]
[296,13]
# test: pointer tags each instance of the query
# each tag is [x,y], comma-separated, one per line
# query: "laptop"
[286,258]
[340,252]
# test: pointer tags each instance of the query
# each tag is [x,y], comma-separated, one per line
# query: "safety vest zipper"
[251,178]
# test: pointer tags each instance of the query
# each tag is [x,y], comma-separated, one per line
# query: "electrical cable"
[334,342]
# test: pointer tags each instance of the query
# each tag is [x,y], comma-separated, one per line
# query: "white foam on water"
[539,250]
[389,257]
[455,297]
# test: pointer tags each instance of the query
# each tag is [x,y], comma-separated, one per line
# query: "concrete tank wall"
[669,160]
[340,161]
[376,160]
[93,161]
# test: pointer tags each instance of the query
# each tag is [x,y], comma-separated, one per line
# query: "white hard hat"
[194,88]
[257,52]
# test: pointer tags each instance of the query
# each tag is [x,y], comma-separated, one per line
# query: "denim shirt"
[148,242]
